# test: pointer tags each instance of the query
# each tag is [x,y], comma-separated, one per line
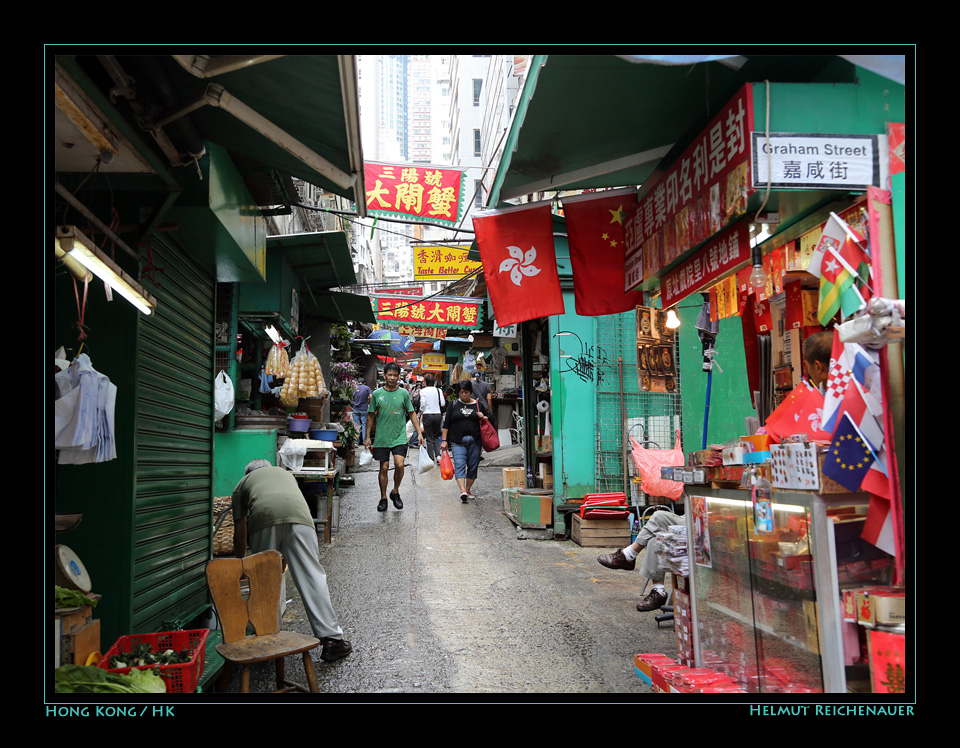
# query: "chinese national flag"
[598,251]
[519,263]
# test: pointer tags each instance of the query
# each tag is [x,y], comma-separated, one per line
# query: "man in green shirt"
[387,431]
[269,510]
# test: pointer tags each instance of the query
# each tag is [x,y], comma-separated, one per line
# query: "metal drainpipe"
[186,128]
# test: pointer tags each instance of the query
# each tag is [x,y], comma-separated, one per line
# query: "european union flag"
[850,456]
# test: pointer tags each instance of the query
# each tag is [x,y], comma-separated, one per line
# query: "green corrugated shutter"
[174,444]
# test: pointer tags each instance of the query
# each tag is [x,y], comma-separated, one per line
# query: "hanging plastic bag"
[303,379]
[366,457]
[425,462]
[223,395]
[277,361]
[446,466]
[649,462]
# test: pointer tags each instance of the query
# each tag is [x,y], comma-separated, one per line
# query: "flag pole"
[706,410]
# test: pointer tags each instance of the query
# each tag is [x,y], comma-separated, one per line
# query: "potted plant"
[344,383]
[348,437]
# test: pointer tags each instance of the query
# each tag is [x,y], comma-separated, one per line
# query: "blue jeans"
[466,457]
[360,419]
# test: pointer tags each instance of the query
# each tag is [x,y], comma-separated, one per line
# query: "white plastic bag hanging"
[366,457]
[223,396]
[425,462]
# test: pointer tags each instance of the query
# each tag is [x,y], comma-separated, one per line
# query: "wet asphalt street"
[448,601]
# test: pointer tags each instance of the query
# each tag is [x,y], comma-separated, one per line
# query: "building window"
[477,86]
[478,189]
[476,142]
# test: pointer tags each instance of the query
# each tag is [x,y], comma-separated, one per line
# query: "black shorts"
[382,454]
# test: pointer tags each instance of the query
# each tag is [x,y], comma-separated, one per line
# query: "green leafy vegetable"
[89,679]
[64,598]
[142,654]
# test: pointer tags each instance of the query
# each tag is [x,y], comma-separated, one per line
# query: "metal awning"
[594,121]
[322,261]
[342,307]
[297,114]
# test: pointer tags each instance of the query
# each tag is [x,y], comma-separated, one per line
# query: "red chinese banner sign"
[442,263]
[416,331]
[897,138]
[429,313]
[717,259]
[419,193]
[704,191]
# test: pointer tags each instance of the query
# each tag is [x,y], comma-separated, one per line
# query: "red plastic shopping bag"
[446,466]
[649,462]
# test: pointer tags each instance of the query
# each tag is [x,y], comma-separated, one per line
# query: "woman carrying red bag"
[461,432]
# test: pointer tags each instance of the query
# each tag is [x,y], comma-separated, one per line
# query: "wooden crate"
[528,507]
[600,533]
[77,634]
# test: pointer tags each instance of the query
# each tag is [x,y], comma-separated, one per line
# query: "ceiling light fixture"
[71,243]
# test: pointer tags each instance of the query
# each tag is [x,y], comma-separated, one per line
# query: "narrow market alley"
[443,598]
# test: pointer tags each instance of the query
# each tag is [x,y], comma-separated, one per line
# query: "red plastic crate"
[179,678]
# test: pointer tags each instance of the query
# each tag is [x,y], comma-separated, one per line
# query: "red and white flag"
[799,413]
[878,529]
[598,251]
[853,401]
[519,263]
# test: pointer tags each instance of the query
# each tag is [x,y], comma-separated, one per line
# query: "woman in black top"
[461,431]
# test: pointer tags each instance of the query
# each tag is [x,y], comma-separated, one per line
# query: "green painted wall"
[218,219]
[573,405]
[730,400]
[862,107]
[234,449]
[898,198]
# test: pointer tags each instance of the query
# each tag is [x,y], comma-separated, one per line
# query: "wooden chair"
[261,610]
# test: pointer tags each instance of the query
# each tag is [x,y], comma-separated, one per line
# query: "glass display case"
[766,586]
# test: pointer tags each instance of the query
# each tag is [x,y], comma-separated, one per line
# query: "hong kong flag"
[598,251]
[519,263]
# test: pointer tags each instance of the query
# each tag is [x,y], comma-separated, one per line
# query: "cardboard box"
[881,606]
[514,477]
[643,664]
[600,533]
[543,444]
[77,635]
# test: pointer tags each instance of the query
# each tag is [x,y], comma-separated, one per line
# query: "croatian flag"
[851,362]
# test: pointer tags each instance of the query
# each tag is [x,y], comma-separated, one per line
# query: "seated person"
[627,557]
